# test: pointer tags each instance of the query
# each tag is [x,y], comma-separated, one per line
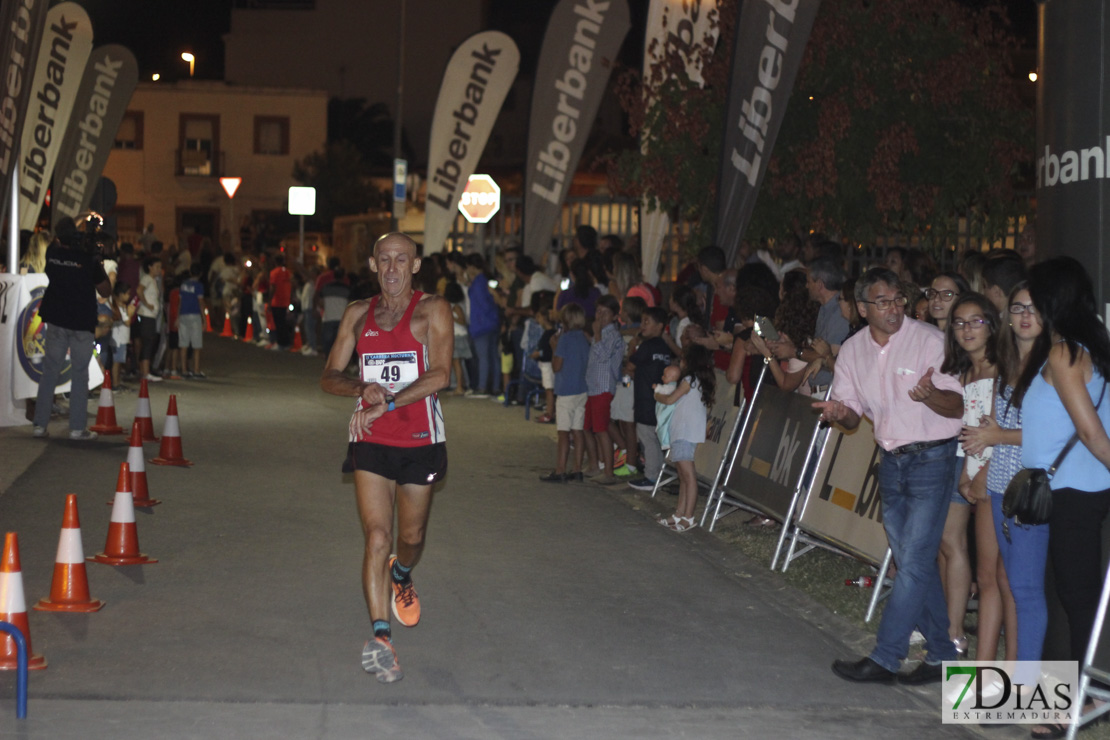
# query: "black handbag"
[1028,497]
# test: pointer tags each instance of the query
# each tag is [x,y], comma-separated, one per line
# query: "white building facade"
[177,141]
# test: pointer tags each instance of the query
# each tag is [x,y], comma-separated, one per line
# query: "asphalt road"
[548,611]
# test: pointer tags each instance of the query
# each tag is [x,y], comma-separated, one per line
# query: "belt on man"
[919,446]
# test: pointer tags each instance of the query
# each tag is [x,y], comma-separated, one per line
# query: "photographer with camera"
[76,273]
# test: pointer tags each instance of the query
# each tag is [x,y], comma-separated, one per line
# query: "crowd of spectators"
[1012,339]
[627,378]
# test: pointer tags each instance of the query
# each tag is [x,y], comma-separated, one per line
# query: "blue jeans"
[488,352]
[79,344]
[1024,557]
[310,319]
[915,490]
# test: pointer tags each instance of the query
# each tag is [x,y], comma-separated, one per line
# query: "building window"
[129,221]
[271,135]
[200,145]
[130,133]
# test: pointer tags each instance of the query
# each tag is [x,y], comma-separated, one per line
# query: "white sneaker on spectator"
[40,432]
[153,378]
[82,435]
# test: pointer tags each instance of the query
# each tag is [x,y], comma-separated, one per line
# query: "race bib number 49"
[391,370]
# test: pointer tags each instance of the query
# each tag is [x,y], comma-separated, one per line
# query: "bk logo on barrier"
[480,200]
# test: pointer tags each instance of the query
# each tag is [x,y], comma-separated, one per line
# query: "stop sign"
[480,200]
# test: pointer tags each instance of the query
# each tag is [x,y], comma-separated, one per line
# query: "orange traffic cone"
[135,482]
[249,336]
[227,326]
[170,454]
[207,321]
[142,413]
[122,546]
[106,411]
[297,344]
[13,608]
[69,592]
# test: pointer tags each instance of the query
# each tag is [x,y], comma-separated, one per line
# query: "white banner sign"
[30,344]
[475,84]
[67,42]
[581,43]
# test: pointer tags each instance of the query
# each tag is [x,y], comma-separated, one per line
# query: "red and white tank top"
[394,360]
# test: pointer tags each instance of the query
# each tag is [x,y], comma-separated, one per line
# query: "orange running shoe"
[406,604]
[379,658]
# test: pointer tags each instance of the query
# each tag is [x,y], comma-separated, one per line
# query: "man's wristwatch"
[798,353]
[390,405]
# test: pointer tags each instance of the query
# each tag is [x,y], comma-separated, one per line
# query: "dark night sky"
[157,31]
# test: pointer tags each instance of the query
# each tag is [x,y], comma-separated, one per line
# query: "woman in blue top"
[1023,547]
[1057,392]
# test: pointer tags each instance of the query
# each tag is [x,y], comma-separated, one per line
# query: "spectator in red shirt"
[281,292]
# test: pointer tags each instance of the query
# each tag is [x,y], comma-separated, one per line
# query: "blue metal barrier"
[21,675]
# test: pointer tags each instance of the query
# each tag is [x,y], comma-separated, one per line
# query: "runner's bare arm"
[440,340]
[334,380]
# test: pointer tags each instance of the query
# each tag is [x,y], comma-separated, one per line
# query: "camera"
[86,236]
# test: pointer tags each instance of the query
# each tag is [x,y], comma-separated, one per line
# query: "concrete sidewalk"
[548,611]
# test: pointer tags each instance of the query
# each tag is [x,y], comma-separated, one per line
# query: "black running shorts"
[405,465]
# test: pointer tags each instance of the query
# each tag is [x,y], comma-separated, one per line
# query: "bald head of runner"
[395,261]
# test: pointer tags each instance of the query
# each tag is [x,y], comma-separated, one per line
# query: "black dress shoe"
[924,673]
[863,670]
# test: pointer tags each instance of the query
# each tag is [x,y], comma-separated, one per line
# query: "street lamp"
[188,57]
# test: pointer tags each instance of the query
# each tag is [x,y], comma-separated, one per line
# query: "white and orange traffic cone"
[298,345]
[170,453]
[142,413]
[122,545]
[227,326]
[135,481]
[249,335]
[207,321]
[69,591]
[106,411]
[13,608]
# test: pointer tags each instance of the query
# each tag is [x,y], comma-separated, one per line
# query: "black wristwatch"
[798,352]
[390,405]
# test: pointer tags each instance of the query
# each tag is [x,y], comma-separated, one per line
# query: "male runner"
[404,340]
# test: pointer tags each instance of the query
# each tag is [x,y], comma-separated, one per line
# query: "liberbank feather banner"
[770,38]
[66,45]
[20,33]
[582,40]
[110,78]
[475,85]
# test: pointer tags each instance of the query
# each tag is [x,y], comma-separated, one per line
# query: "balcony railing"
[199,163]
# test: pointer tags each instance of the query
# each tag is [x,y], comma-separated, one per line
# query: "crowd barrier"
[22,341]
[821,483]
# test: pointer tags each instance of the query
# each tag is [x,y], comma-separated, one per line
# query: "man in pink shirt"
[890,373]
